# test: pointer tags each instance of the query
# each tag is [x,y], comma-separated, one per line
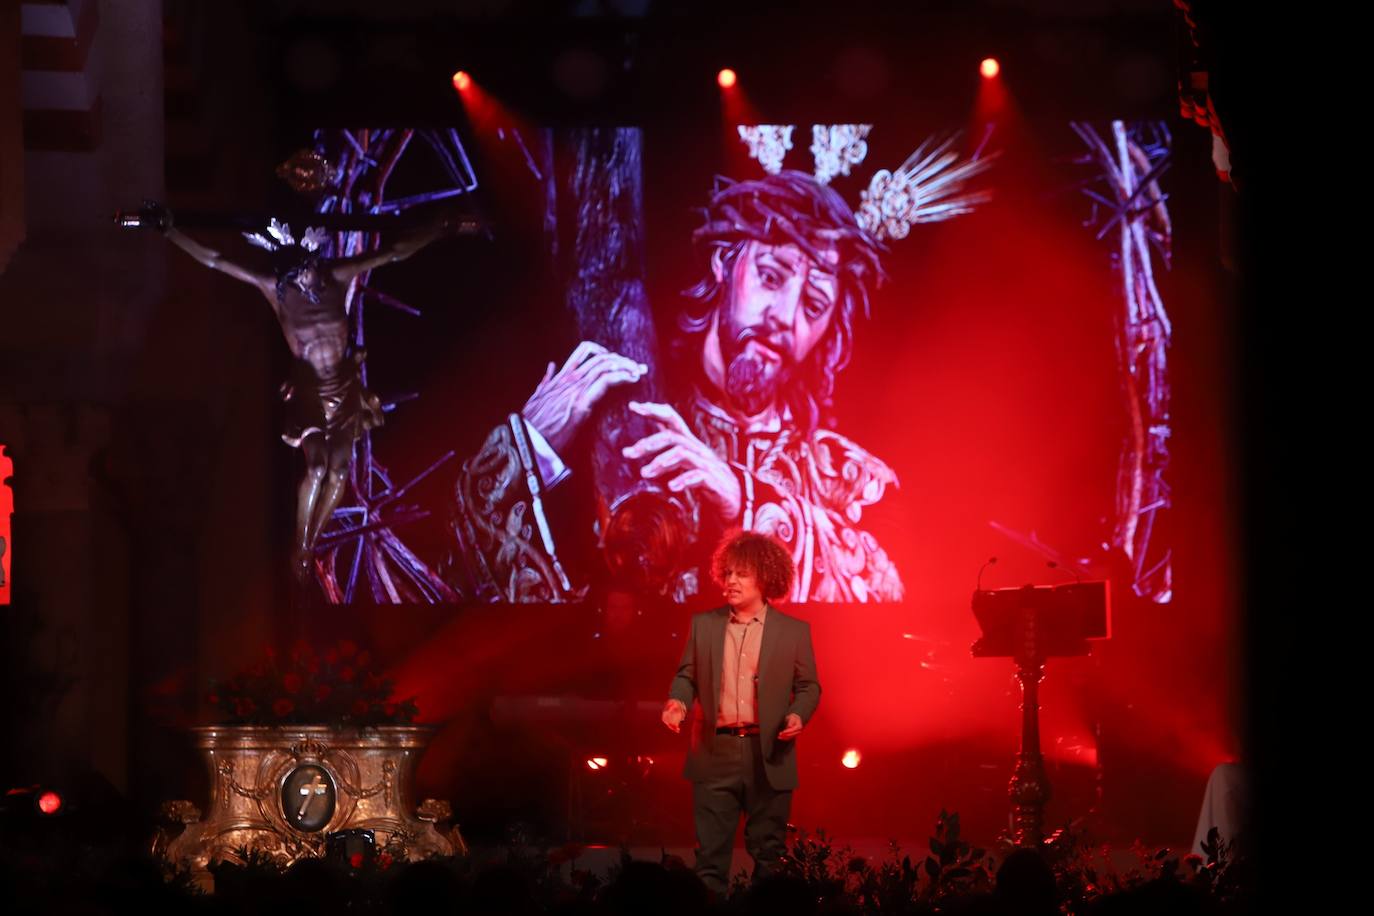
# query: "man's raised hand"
[673,713]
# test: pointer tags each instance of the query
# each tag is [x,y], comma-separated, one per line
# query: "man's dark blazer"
[787,684]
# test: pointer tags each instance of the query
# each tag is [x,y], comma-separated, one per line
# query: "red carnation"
[291,682]
[356,860]
[346,674]
[282,707]
[347,648]
[331,656]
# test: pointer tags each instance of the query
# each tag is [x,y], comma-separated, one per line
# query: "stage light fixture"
[726,78]
[989,67]
[462,81]
[851,759]
[49,802]
[597,763]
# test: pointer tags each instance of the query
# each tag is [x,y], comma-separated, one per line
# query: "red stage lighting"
[851,759]
[989,67]
[49,802]
[726,78]
[462,81]
[597,763]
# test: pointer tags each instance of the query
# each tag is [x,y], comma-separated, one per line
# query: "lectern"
[1031,625]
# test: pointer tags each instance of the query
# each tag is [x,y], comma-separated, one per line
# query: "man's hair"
[768,560]
[793,207]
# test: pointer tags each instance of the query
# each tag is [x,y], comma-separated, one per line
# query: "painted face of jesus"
[780,305]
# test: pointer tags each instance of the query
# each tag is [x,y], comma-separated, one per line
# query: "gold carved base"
[281,790]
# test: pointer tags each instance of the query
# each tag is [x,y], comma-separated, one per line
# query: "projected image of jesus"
[768,328]
[749,438]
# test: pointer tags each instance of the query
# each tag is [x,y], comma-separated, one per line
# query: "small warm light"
[597,763]
[989,67]
[49,802]
[726,78]
[462,81]
[851,758]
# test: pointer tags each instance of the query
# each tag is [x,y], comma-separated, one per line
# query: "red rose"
[356,860]
[312,664]
[322,693]
[348,648]
[291,682]
[360,707]
[346,674]
[384,859]
[363,660]
[282,707]
[270,652]
[331,656]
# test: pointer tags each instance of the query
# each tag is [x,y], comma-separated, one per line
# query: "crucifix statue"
[328,404]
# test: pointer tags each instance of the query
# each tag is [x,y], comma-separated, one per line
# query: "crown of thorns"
[790,205]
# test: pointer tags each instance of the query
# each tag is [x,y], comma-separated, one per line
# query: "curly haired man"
[751,670]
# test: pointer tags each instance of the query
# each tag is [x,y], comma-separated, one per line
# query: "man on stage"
[752,670]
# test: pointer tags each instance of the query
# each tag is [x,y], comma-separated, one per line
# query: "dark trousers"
[735,783]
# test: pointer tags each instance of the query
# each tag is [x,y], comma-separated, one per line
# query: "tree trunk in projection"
[601,245]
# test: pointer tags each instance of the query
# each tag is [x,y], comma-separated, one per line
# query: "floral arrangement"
[333,686]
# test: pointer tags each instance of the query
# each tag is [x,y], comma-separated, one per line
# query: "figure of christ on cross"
[328,405]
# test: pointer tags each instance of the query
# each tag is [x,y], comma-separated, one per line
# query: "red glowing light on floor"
[49,802]
[726,78]
[462,81]
[851,758]
[597,763]
[989,67]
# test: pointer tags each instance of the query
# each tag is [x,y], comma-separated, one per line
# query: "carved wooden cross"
[311,791]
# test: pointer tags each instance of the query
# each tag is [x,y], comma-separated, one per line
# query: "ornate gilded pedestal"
[280,790]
